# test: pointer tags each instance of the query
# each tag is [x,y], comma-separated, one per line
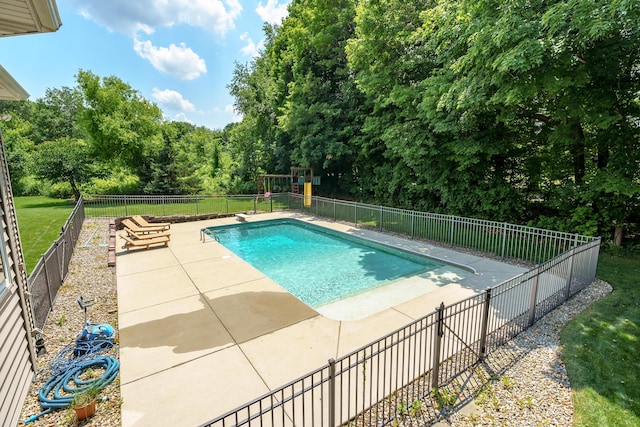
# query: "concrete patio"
[202,332]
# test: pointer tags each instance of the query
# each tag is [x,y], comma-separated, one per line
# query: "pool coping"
[207,343]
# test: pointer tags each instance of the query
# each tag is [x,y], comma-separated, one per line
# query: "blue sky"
[179,54]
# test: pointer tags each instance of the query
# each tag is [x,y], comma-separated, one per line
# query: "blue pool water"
[315,264]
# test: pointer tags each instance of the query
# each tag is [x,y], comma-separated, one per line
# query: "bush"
[119,183]
[59,190]
[31,186]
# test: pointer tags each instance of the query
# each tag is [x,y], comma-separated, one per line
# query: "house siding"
[17,356]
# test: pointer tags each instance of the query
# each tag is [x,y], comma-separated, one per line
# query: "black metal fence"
[530,244]
[53,266]
[379,384]
[179,205]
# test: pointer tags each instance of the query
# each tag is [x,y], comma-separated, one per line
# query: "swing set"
[279,183]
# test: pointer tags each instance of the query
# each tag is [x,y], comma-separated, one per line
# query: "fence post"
[355,214]
[47,281]
[435,371]
[334,209]
[380,218]
[570,279]
[485,324]
[504,238]
[534,297]
[413,220]
[64,264]
[332,392]
[452,229]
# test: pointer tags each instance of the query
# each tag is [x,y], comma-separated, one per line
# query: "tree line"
[524,111]
[511,110]
[103,137]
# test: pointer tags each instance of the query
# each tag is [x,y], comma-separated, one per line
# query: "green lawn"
[602,350]
[40,220]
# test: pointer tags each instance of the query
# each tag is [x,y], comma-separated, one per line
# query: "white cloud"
[131,17]
[172,100]
[178,61]
[251,49]
[181,117]
[273,12]
[236,116]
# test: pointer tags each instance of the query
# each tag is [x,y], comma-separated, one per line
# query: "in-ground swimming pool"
[318,265]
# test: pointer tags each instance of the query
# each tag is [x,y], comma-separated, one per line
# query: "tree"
[299,101]
[56,115]
[561,78]
[186,163]
[64,160]
[123,126]
[322,112]
[388,64]
[257,144]
[519,110]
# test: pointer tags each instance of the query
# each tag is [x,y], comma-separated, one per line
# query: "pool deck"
[202,332]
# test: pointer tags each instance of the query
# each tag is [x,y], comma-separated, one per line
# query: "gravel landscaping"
[524,383]
[89,277]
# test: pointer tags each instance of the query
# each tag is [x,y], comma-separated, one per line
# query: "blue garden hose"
[65,372]
[69,382]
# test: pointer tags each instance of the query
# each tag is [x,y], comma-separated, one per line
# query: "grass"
[40,220]
[602,350]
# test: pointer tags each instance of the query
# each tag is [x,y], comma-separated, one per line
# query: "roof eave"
[10,89]
[47,14]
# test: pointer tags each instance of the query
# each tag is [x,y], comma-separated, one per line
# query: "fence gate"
[460,338]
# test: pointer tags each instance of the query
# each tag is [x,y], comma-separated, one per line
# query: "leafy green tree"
[506,110]
[198,160]
[161,174]
[56,115]
[64,160]
[299,101]
[561,77]
[257,144]
[186,163]
[388,65]
[245,153]
[123,126]
[321,113]
[17,134]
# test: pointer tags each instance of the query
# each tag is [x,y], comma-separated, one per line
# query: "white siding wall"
[17,357]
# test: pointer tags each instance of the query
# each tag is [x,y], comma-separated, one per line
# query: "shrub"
[119,183]
[59,190]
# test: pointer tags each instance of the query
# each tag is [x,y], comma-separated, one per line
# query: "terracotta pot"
[86,411]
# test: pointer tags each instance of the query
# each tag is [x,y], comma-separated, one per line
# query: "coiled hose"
[65,381]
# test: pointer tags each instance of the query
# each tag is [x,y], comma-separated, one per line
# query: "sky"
[180,54]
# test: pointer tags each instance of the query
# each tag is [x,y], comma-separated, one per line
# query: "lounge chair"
[139,229]
[140,236]
[144,223]
[144,243]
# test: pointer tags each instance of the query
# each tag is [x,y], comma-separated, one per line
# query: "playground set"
[299,177]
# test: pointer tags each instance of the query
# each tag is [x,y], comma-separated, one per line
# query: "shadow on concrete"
[223,321]
[248,315]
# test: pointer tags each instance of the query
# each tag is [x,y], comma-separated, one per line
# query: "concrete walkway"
[202,332]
